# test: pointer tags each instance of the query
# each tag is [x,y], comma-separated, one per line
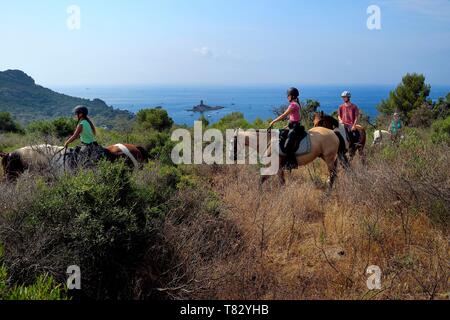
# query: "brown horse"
[325,121]
[57,159]
[325,144]
[133,155]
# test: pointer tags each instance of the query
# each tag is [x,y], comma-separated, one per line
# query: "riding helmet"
[346,94]
[81,109]
[293,92]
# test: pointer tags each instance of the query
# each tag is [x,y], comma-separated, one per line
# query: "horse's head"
[319,119]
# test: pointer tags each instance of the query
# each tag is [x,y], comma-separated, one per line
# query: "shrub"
[95,220]
[110,222]
[60,128]
[156,119]
[422,117]
[441,131]
[7,124]
[232,121]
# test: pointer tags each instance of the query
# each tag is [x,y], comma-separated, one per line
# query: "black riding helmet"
[293,92]
[81,109]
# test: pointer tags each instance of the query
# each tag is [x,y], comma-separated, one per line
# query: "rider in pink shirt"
[293,111]
[295,128]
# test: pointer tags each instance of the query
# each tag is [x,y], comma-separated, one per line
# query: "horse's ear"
[321,114]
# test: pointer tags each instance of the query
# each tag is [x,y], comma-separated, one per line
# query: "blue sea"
[253,102]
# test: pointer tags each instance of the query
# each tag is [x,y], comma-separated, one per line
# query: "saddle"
[293,144]
[353,138]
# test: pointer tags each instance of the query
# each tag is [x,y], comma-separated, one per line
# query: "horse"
[57,159]
[133,155]
[381,136]
[32,158]
[325,144]
[329,122]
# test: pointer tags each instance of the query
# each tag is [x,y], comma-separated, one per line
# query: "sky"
[224,42]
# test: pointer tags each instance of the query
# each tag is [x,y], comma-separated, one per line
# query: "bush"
[422,117]
[7,124]
[96,220]
[234,120]
[441,131]
[60,128]
[156,119]
[108,221]
[45,287]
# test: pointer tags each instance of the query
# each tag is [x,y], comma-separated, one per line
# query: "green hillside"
[27,101]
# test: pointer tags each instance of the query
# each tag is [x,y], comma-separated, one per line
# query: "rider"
[86,131]
[348,116]
[294,126]
[395,127]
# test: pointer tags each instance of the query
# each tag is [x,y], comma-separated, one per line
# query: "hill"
[27,101]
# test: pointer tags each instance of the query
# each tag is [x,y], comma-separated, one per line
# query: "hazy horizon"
[225,43]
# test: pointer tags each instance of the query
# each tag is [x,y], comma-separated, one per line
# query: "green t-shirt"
[87,135]
[396,125]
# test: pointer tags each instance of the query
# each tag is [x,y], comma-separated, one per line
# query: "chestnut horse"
[325,121]
[56,159]
[325,144]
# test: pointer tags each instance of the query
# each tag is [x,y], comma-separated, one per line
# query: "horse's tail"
[342,153]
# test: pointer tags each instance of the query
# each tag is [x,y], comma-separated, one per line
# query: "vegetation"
[26,101]
[409,96]
[7,124]
[211,232]
[156,119]
[60,128]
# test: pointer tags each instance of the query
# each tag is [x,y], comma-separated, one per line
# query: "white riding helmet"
[346,94]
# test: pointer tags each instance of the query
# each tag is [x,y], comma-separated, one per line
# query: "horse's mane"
[325,117]
[334,121]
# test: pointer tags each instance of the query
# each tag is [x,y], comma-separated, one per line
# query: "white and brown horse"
[325,144]
[57,159]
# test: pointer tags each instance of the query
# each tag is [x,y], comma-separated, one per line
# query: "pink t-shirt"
[348,113]
[295,112]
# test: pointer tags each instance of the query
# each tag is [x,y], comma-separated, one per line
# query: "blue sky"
[233,42]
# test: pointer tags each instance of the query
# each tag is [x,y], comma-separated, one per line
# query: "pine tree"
[410,95]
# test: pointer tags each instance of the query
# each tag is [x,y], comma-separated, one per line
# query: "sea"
[253,101]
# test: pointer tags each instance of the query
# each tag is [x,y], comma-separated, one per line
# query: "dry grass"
[298,242]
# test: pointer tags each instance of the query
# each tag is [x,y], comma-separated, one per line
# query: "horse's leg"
[362,154]
[332,164]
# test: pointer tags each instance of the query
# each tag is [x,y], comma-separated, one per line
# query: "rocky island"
[204,108]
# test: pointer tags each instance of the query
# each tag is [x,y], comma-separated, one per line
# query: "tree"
[441,108]
[7,124]
[157,119]
[411,94]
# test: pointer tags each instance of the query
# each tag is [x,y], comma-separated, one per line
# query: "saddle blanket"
[304,148]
